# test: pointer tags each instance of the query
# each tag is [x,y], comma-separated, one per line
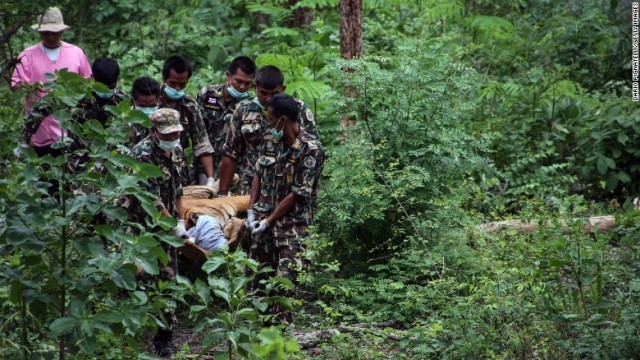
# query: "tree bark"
[350,47]
[350,29]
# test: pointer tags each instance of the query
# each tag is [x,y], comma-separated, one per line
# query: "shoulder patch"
[309,162]
[309,115]
[212,103]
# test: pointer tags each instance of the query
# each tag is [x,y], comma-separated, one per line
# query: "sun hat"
[51,21]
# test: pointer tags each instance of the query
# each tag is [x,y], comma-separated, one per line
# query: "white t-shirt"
[51,53]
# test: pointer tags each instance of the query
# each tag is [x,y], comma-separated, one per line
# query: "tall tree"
[350,28]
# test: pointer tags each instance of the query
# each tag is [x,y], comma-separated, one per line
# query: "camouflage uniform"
[89,109]
[244,140]
[94,108]
[191,120]
[296,169]
[32,123]
[217,116]
[137,133]
[169,186]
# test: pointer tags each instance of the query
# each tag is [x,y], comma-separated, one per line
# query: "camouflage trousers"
[166,273]
[287,263]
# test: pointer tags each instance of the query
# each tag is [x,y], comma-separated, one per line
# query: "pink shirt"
[34,64]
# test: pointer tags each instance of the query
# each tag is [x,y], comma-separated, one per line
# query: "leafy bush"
[67,262]
[408,151]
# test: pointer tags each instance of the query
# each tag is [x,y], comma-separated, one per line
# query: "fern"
[307,89]
[275,12]
[491,27]
[316,4]
[453,10]
[276,32]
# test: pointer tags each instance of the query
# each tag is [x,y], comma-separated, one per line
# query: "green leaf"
[63,325]
[203,291]
[223,295]
[604,304]
[602,166]
[148,263]
[125,276]
[213,263]
[109,316]
[260,305]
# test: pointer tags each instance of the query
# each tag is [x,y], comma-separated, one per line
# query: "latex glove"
[18,150]
[180,230]
[259,227]
[251,218]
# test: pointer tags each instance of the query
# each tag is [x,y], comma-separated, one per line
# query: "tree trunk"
[350,28]
[350,47]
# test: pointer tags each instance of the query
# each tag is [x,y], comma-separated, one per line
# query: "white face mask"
[168,145]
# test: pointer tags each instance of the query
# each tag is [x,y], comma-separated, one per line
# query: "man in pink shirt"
[49,55]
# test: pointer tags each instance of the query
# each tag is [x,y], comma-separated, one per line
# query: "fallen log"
[592,224]
[314,338]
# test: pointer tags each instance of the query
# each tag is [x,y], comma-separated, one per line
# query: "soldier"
[175,75]
[247,125]
[286,180]
[162,148]
[105,71]
[145,93]
[219,101]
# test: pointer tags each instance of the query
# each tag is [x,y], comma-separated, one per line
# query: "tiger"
[225,210]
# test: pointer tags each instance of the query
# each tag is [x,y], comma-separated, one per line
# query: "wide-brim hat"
[166,121]
[51,20]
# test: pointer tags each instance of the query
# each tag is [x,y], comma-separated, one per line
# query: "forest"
[468,144]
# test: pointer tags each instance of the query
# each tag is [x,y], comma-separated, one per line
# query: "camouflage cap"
[166,121]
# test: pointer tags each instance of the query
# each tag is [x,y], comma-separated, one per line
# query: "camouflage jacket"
[283,170]
[194,128]
[244,140]
[89,109]
[94,108]
[32,122]
[167,187]
[216,114]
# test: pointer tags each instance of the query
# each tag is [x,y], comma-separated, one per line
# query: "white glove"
[210,181]
[259,227]
[18,150]
[251,218]
[180,230]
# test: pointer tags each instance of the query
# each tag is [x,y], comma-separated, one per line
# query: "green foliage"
[409,150]
[464,111]
[229,312]
[68,263]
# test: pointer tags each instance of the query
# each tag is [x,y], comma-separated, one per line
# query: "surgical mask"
[173,93]
[277,135]
[257,101]
[168,145]
[148,110]
[237,94]
[108,95]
